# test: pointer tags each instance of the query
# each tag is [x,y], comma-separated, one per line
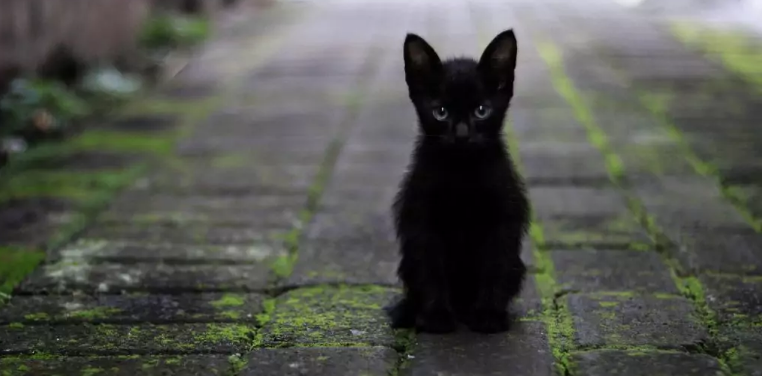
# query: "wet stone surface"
[91,161]
[608,362]
[612,270]
[370,361]
[585,217]
[30,222]
[76,275]
[195,365]
[631,320]
[331,315]
[734,298]
[130,252]
[134,308]
[524,351]
[107,339]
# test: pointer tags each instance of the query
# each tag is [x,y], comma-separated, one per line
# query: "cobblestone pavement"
[237,221]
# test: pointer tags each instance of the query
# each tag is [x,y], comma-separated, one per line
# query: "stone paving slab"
[274,181]
[107,339]
[744,343]
[132,308]
[193,233]
[195,365]
[327,315]
[131,252]
[77,275]
[524,351]
[733,298]
[562,164]
[135,203]
[608,362]
[585,216]
[611,270]
[366,361]
[665,322]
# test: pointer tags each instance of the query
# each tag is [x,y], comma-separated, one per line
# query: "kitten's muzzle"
[462,131]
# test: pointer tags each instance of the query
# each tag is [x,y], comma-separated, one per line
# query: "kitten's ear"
[498,61]
[423,67]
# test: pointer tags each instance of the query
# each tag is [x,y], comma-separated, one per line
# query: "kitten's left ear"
[423,68]
[498,61]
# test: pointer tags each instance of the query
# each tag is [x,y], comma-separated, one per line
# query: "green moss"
[85,187]
[130,142]
[268,307]
[15,265]
[229,300]
[94,314]
[92,371]
[282,266]
[237,363]
[16,325]
[322,315]
[40,316]
[233,315]
[173,361]
[220,333]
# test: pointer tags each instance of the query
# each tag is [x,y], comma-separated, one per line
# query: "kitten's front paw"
[488,322]
[439,322]
[402,314]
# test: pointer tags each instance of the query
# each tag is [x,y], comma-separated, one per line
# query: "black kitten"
[462,212]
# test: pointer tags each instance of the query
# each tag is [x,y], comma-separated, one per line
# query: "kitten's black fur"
[461,213]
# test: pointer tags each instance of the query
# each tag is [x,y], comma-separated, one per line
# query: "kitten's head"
[461,100]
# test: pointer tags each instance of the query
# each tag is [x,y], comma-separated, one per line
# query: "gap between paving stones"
[688,285]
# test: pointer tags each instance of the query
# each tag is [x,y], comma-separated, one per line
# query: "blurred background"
[215,176]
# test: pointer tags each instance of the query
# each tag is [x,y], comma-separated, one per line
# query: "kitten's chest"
[465,203]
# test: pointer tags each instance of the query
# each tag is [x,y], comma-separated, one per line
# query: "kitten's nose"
[461,130]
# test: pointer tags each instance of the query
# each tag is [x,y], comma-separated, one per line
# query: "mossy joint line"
[690,287]
[282,267]
[555,314]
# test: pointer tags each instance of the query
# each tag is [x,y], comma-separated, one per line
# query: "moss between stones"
[282,266]
[268,307]
[229,300]
[15,265]
[92,371]
[94,314]
[555,313]
[237,363]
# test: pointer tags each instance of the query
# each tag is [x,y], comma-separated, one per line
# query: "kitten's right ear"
[423,67]
[498,61]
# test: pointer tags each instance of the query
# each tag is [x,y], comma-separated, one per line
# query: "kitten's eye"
[482,112]
[440,113]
